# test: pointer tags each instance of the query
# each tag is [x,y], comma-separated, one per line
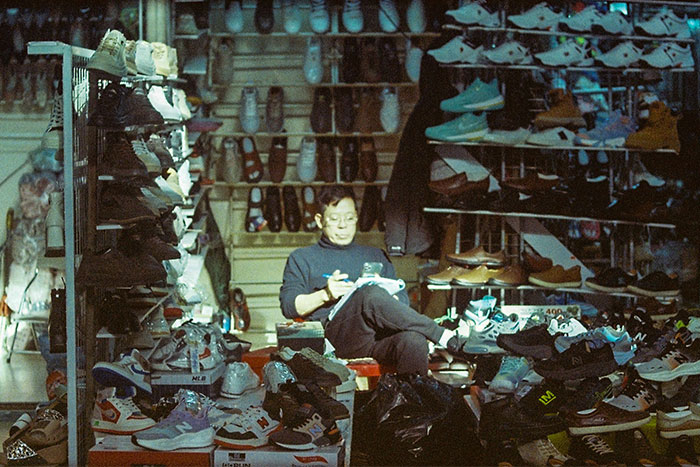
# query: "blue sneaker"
[467,127]
[510,374]
[478,96]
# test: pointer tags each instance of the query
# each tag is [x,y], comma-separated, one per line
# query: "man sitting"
[371,322]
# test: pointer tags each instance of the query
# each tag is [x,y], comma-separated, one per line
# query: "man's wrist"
[328,297]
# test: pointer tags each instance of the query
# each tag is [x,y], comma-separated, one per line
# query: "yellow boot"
[660,132]
[562,112]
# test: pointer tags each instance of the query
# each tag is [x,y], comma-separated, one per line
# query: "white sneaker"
[558,136]
[352,16]
[110,56]
[157,325]
[568,53]
[621,56]
[249,116]
[390,113]
[180,103]
[507,137]
[139,58]
[540,16]
[474,13]
[118,414]
[509,53]
[313,65]
[510,374]
[276,373]
[614,22]
[541,452]
[457,50]
[306,164]
[670,55]
[412,64]
[160,58]
[665,23]
[389,19]
[292,16]
[582,21]
[231,161]
[234,17]
[159,102]
[238,379]
[130,370]
[318,16]
[415,16]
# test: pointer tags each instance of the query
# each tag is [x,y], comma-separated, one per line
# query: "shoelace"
[112,43]
[305,424]
[597,445]
[546,448]
[318,6]
[352,6]
[637,390]
[510,364]
[128,403]
[56,120]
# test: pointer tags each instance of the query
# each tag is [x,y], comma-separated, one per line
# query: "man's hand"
[338,285]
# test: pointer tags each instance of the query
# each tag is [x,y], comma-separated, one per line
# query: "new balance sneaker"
[110,56]
[331,365]
[308,430]
[611,280]
[509,53]
[510,374]
[187,426]
[605,418]
[482,337]
[541,452]
[276,373]
[311,393]
[665,23]
[612,132]
[672,424]
[592,450]
[478,96]
[457,50]
[679,359]
[570,53]
[315,370]
[535,342]
[249,429]
[540,16]
[637,395]
[467,127]
[670,55]
[117,413]
[505,418]
[581,360]
[239,379]
[681,400]
[619,338]
[131,370]
[588,394]
[474,13]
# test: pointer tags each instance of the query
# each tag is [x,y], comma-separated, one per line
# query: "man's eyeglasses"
[335,220]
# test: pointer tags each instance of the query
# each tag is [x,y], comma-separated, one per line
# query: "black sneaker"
[636,449]
[505,418]
[535,342]
[583,359]
[308,430]
[506,453]
[311,393]
[681,451]
[588,394]
[591,450]
[690,391]
[111,109]
[307,371]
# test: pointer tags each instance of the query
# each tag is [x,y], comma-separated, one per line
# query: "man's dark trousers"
[374,324]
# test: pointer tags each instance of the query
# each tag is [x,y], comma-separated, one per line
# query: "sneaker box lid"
[271,456]
[204,377]
[524,311]
[120,451]
[297,335]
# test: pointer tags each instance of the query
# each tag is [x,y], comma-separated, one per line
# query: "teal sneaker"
[467,127]
[478,96]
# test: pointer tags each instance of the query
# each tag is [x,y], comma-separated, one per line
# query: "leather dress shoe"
[326,160]
[292,214]
[459,184]
[369,61]
[321,119]
[264,16]
[252,165]
[389,61]
[536,263]
[350,66]
[478,276]
[368,211]
[478,256]
[367,117]
[277,161]
[274,109]
[349,162]
[254,218]
[510,276]
[557,276]
[368,160]
[445,276]
[532,183]
[344,110]
[273,209]
[308,202]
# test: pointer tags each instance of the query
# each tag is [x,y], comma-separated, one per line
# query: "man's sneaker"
[505,418]
[670,55]
[156,96]
[618,337]
[605,418]
[248,113]
[110,56]
[681,400]
[570,53]
[389,19]
[187,426]
[582,21]
[581,360]
[139,58]
[482,337]
[611,280]
[541,452]
[562,112]
[623,55]
[612,132]
[160,59]
[249,429]
[592,450]
[588,394]
[291,16]
[665,23]
[474,13]
[306,370]
[467,127]
[313,61]
[319,17]
[311,393]
[679,359]
[507,137]
[130,370]
[308,430]
[540,16]
[141,110]
[557,276]
[239,379]
[117,413]
[146,156]
[352,16]
[676,423]
[457,50]
[390,113]
[306,163]
[346,375]
[613,22]
[535,342]
[510,374]
[509,53]
[478,96]
[637,395]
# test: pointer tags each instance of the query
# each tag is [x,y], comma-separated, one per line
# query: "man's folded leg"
[406,350]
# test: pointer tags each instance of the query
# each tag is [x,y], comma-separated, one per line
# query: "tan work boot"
[562,112]
[660,132]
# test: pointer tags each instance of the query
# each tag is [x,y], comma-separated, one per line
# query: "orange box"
[258,358]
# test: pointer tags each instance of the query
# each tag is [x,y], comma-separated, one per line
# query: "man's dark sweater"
[305,268]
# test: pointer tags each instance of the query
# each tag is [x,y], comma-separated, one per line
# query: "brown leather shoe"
[274,110]
[252,165]
[458,185]
[445,276]
[557,276]
[368,160]
[532,262]
[308,202]
[367,120]
[478,256]
[605,418]
[532,183]
[369,61]
[510,276]
[562,112]
[277,161]
[478,276]
[326,160]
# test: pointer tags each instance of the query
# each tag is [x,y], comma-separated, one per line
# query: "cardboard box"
[271,456]
[345,426]
[297,335]
[115,450]
[258,358]
[208,382]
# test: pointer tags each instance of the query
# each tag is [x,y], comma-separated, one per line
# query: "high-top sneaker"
[660,131]
[110,56]
[53,136]
[54,226]
[117,413]
[562,112]
[592,450]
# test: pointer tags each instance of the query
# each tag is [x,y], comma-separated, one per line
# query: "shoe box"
[525,311]
[270,456]
[345,426]
[116,450]
[207,382]
[297,335]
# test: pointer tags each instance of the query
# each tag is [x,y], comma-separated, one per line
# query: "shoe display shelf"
[554,148]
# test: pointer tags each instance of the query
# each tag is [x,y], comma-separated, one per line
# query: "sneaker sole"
[113,429]
[245,444]
[232,395]
[602,288]
[495,103]
[200,439]
[652,293]
[685,369]
[553,285]
[679,433]
[608,428]
[469,136]
[594,369]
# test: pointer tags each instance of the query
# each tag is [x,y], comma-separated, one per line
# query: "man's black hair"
[331,195]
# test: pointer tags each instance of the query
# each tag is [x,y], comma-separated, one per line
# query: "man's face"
[339,222]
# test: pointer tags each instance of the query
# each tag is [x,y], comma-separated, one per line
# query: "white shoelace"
[597,445]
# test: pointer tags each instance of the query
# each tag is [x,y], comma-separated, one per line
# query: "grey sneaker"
[306,164]
[110,56]
[274,110]
[222,71]
[248,115]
